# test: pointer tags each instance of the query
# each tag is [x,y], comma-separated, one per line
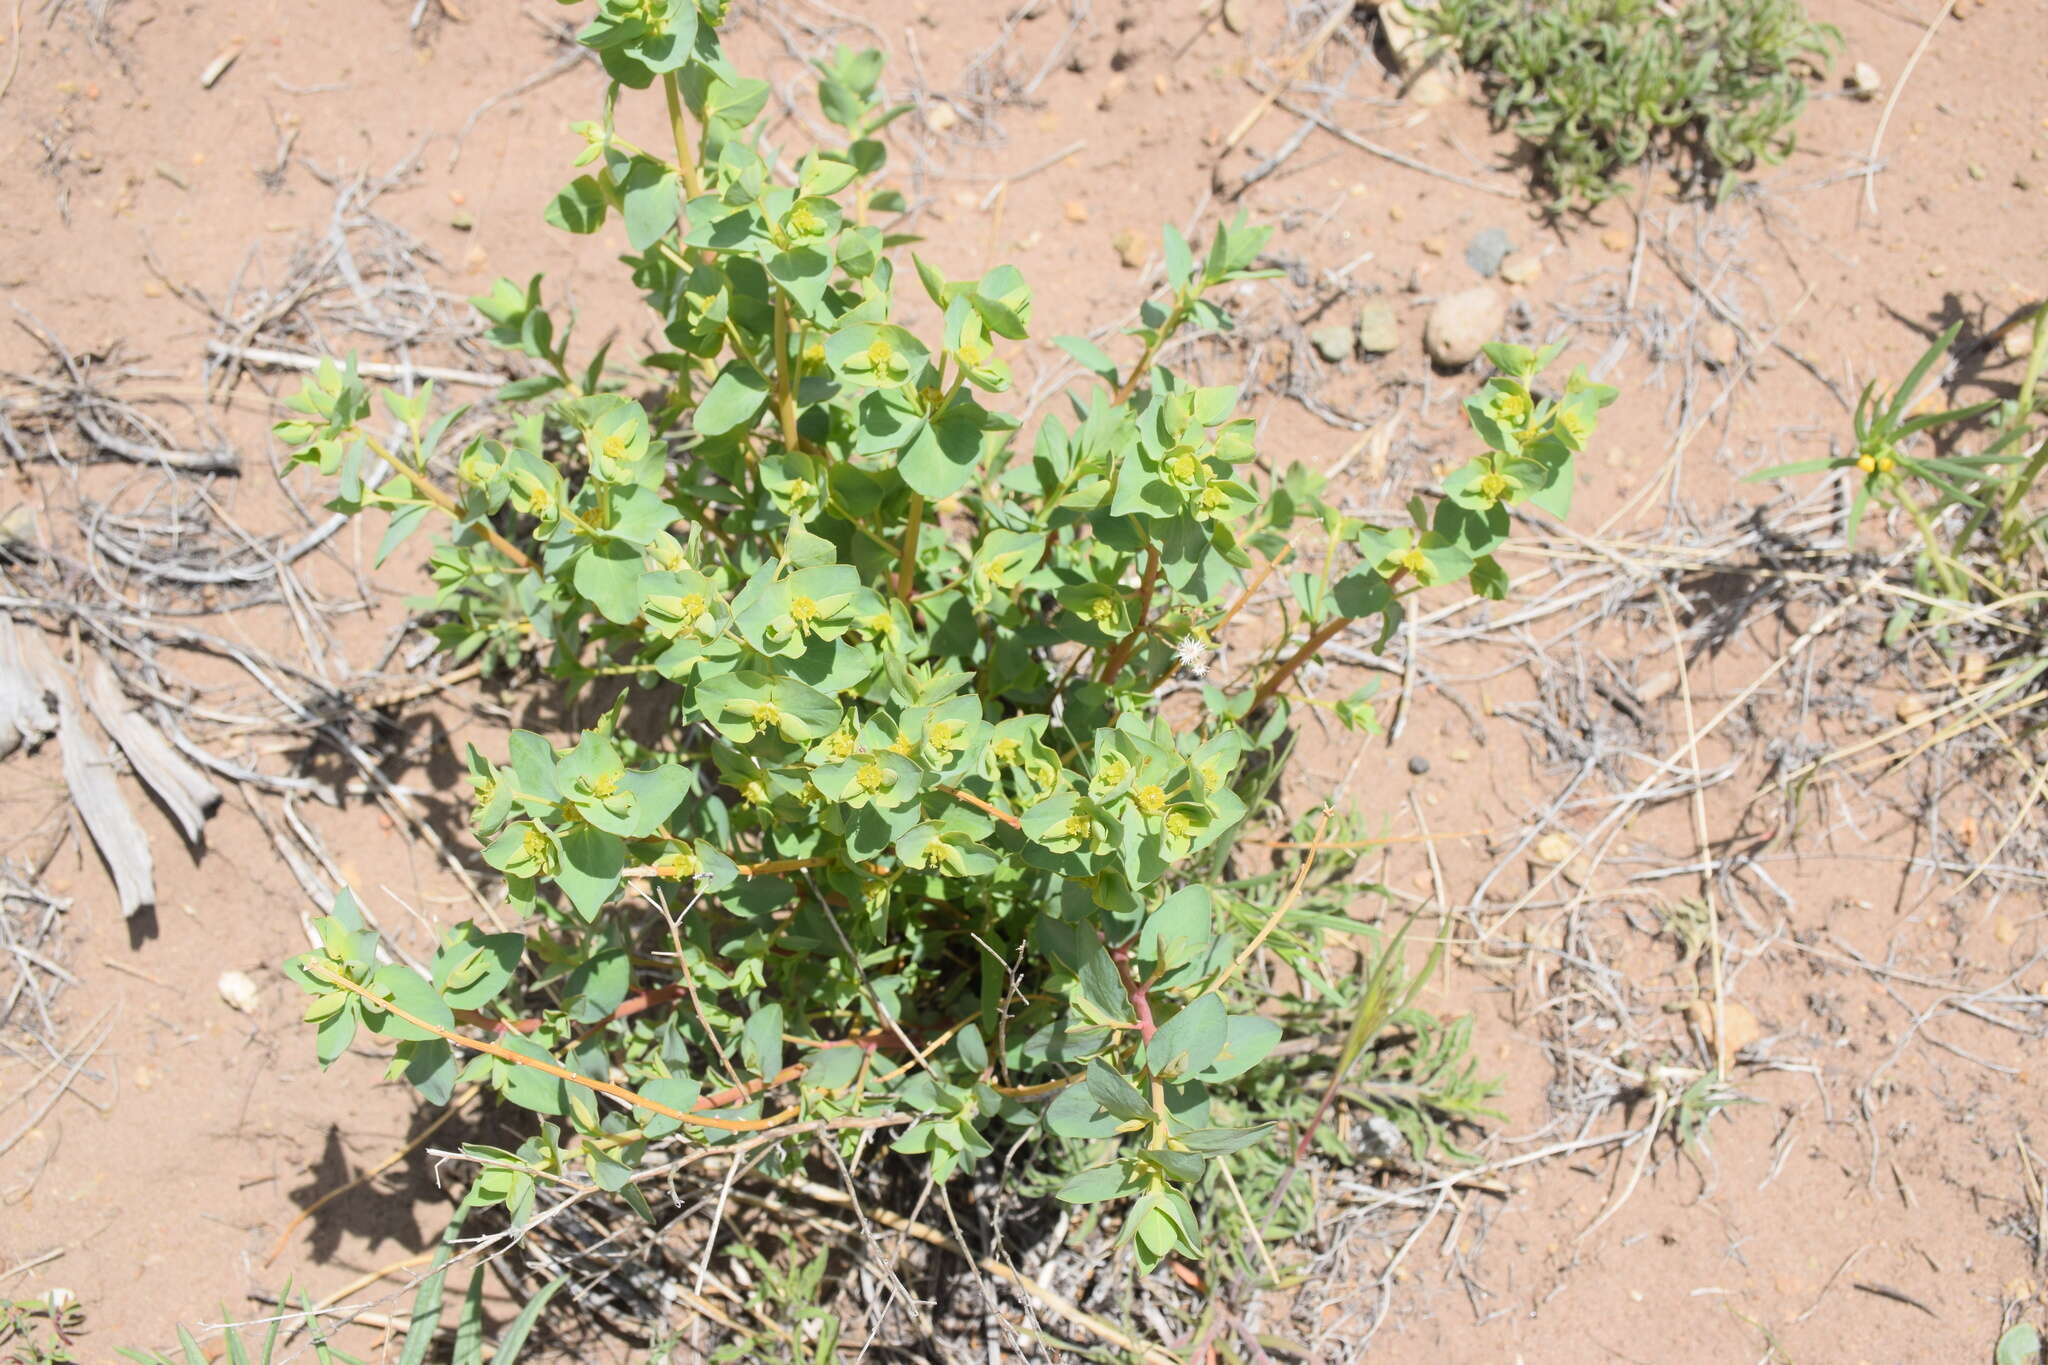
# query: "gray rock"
[1461,323]
[1486,251]
[1332,343]
[1379,330]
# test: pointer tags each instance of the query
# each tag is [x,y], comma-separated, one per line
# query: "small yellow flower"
[872,777]
[1867,463]
[1151,799]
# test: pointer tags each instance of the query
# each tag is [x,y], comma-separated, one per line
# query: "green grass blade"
[426,1303]
[469,1324]
[514,1340]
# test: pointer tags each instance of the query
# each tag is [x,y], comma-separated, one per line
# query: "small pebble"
[1521,268]
[238,990]
[1332,342]
[1131,248]
[1487,249]
[1076,211]
[1418,765]
[462,222]
[1379,329]
[1614,239]
[1977,171]
[1396,213]
[1864,82]
[1435,246]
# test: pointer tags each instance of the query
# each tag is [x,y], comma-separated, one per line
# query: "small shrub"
[888,831]
[1595,86]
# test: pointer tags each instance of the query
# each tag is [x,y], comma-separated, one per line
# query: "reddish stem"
[1141,1004]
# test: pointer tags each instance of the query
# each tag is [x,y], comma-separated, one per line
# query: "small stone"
[1435,246]
[1912,710]
[1719,344]
[1461,755]
[1332,342]
[462,222]
[1112,90]
[1739,1028]
[1521,268]
[939,116]
[1864,82]
[2004,931]
[2017,344]
[1432,89]
[1553,848]
[1614,239]
[1161,83]
[1976,170]
[1487,250]
[1418,765]
[1237,15]
[153,289]
[1408,46]
[1379,329]
[1131,247]
[1395,213]
[1459,324]
[1077,212]
[1975,665]
[238,990]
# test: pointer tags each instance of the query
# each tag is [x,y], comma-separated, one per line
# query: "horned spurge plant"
[882,826]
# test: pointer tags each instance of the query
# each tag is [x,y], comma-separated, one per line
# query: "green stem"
[2024,484]
[1121,655]
[785,374]
[906,566]
[679,128]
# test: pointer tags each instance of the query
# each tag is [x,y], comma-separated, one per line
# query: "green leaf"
[1094,1186]
[426,1300]
[1221,1141]
[592,860]
[1190,1040]
[512,1340]
[468,1347]
[1116,1094]
[1247,1038]
[1091,357]
[647,201]
[1180,930]
[579,208]
[2020,1345]
[732,402]
[411,992]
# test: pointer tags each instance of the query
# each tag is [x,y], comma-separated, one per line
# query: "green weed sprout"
[1596,86]
[888,831]
[1997,545]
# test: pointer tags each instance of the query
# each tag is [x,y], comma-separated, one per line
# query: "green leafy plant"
[883,825]
[468,1347]
[40,1331]
[235,1350]
[1595,86]
[1982,535]
[2019,1344]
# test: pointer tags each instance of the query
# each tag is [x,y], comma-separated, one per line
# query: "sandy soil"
[1867,1202]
